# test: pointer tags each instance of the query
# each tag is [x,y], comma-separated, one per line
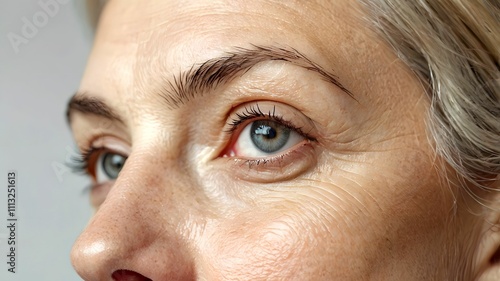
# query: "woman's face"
[263,140]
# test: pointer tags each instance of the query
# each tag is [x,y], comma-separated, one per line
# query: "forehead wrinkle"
[240,13]
[151,58]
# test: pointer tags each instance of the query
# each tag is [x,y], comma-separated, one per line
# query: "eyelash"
[80,164]
[253,113]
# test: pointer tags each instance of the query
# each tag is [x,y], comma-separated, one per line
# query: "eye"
[108,166]
[101,164]
[263,138]
[276,141]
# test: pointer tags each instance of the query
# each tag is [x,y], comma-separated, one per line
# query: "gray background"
[35,85]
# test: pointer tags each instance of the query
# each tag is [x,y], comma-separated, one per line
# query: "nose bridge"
[141,226]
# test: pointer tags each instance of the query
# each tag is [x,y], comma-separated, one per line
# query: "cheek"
[393,214]
[300,236]
[267,244]
[339,224]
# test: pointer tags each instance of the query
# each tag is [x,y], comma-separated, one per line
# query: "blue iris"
[269,136]
[112,164]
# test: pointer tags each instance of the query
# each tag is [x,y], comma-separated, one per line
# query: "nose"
[141,230]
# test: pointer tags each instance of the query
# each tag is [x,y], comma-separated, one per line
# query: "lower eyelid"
[284,166]
[278,156]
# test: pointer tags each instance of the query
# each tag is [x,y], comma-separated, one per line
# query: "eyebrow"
[207,76]
[90,105]
[203,78]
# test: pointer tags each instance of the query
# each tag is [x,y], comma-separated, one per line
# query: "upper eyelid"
[254,112]
[111,143]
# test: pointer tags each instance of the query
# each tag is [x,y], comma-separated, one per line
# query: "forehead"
[211,21]
[138,41]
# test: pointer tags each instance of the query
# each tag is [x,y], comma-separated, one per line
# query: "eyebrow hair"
[207,76]
[90,105]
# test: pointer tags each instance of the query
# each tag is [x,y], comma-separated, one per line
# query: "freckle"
[389,243]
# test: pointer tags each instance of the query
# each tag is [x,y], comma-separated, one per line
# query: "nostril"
[127,275]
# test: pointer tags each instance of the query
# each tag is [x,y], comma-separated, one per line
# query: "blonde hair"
[453,47]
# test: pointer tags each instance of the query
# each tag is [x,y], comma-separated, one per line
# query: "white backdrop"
[42,57]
